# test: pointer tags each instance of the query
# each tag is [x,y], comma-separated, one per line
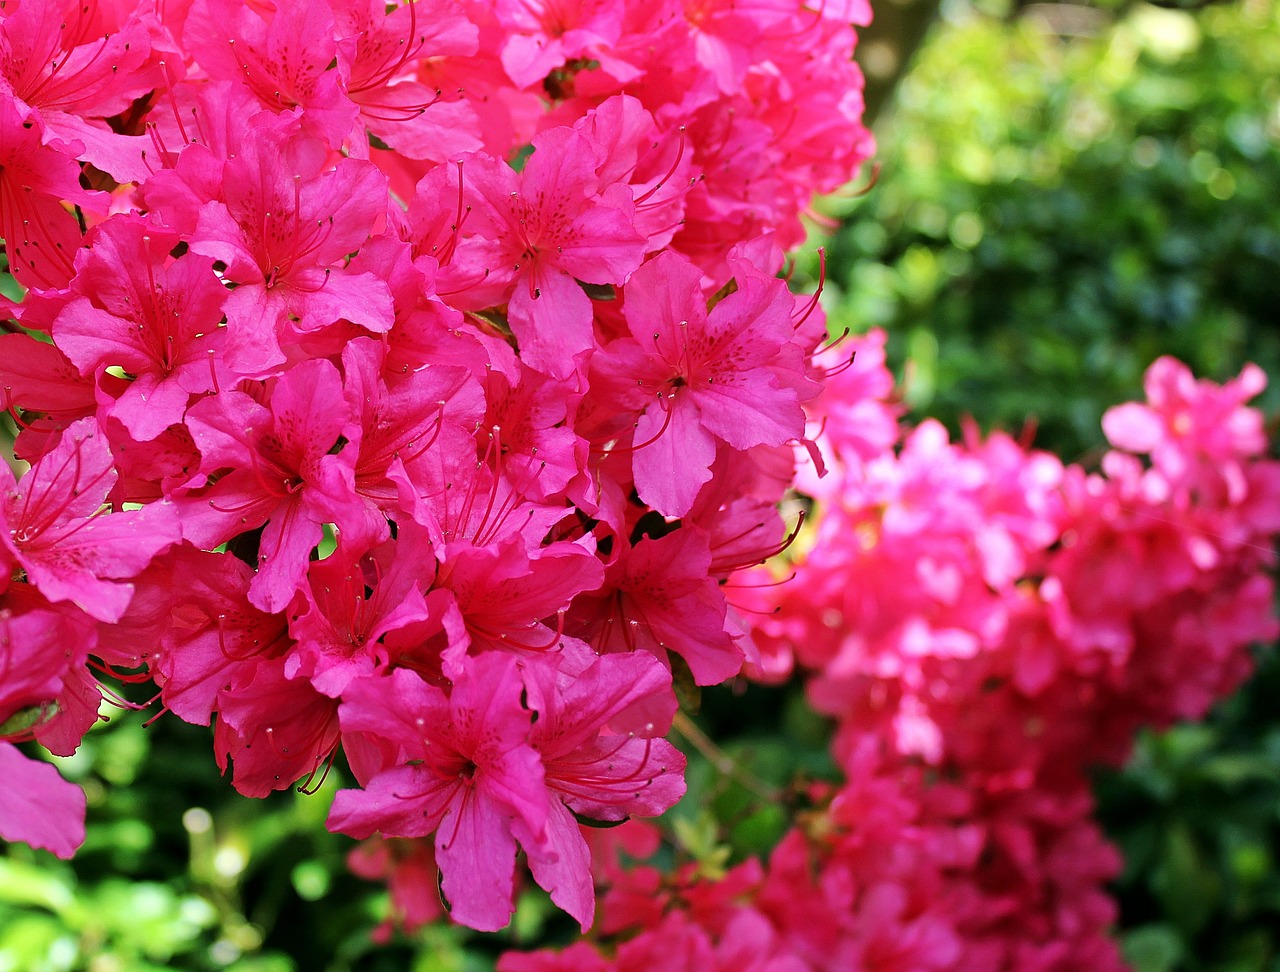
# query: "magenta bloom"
[40,236]
[658,596]
[54,526]
[699,378]
[1196,432]
[472,779]
[399,415]
[209,632]
[287,61]
[271,464]
[597,732]
[284,226]
[546,228]
[156,318]
[46,694]
[504,594]
[379,47]
[77,64]
[350,601]
[275,729]
[546,34]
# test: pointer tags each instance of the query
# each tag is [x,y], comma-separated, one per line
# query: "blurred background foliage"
[1065,196]
[1066,192]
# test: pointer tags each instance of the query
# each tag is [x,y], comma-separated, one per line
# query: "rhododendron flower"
[275,729]
[545,228]
[205,627]
[471,778]
[423,380]
[53,526]
[503,593]
[353,600]
[1195,431]
[699,378]
[593,772]
[397,418]
[293,445]
[38,378]
[272,465]
[287,59]
[378,47]
[156,319]
[284,241]
[40,236]
[77,64]
[657,596]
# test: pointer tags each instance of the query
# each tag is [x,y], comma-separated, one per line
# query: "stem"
[722,761]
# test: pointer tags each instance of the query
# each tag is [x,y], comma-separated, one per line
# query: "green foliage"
[1197,813]
[1055,212]
[178,873]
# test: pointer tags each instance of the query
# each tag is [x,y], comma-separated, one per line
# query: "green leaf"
[1153,948]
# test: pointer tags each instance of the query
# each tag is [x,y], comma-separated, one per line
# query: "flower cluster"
[404,378]
[984,624]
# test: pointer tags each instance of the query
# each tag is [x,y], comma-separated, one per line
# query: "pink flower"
[656,163]
[471,778]
[37,377]
[657,596]
[350,602]
[78,64]
[378,47]
[53,525]
[40,236]
[544,229]
[196,608]
[595,772]
[285,241]
[157,319]
[275,729]
[504,594]
[399,415]
[534,420]
[725,32]
[287,60]
[697,379]
[578,957]
[1196,432]
[272,465]
[46,694]
[543,34]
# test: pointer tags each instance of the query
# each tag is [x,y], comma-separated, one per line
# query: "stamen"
[761,556]
[822,282]
[670,172]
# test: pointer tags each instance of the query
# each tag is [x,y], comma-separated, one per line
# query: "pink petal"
[405,801]
[674,466]
[37,806]
[564,868]
[1134,427]
[477,857]
[551,318]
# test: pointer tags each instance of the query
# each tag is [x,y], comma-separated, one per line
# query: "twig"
[722,761]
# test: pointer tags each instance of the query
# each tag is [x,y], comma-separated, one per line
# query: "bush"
[1053,213]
